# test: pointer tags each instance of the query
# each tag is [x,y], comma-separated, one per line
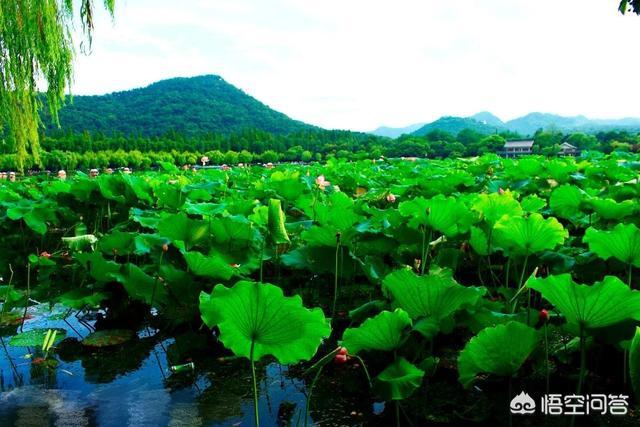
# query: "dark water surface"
[132,385]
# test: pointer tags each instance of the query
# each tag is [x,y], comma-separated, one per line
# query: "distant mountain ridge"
[487,123]
[193,105]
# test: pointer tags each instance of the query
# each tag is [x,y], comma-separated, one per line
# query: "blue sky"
[361,64]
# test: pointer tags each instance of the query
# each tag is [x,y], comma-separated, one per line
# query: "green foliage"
[622,243]
[382,332]
[36,43]
[436,296]
[602,304]
[399,380]
[35,337]
[528,235]
[256,319]
[499,350]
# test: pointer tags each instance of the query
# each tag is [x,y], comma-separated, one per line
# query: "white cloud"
[358,64]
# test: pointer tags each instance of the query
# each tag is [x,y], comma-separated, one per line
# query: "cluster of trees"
[440,144]
[68,150]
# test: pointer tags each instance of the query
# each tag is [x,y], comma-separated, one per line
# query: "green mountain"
[487,118]
[454,125]
[529,124]
[487,123]
[191,106]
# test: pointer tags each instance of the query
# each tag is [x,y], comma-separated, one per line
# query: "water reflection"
[131,385]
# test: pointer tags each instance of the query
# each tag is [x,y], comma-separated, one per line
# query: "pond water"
[133,385]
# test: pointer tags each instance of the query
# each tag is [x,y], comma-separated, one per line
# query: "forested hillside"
[191,106]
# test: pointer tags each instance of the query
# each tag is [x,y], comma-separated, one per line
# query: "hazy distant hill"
[396,132]
[187,105]
[454,125]
[487,123]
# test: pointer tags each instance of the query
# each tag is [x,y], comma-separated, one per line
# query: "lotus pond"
[348,293]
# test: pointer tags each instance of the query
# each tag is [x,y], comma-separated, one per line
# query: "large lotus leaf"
[112,187]
[287,184]
[35,337]
[139,285]
[321,236]
[528,235]
[444,214]
[118,242]
[34,215]
[149,243]
[82,298]
[499,350]
[610,209]
[399,380]
[622,243]
[259,313]
[183,231]
[494,206]
[436,295]
[382,332]
[565,201]
[416,209]
[634,362]
[532,203]
[108,337]
[99,268]
[337,211]
[602,304]
[209,266]
[277,232]
[169,196]
[85,190]
[479,241]
[235,231]
[149,219]
[205,209]
[139,186]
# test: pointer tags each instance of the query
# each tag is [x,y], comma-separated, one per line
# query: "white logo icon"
[522,404]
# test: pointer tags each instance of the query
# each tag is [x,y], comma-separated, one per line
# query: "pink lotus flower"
[322,183]
[391,198]
[500,191]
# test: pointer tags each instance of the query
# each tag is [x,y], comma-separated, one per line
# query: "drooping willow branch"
[36,46]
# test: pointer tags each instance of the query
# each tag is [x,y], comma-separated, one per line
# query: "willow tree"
[36,47]
[629,6]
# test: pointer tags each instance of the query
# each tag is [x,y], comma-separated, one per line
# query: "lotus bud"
[165,247]
[543,315]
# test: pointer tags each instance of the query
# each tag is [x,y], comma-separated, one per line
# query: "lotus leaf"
[436,295]
[528,235]
[602,304]
[499,350]
[35,337]
[399,380]
[622,243]
[108,337]
[382,332]
[258,316]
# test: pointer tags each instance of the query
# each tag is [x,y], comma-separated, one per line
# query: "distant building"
[517,148]
[567,149]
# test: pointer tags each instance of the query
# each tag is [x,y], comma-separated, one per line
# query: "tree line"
[69,150]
